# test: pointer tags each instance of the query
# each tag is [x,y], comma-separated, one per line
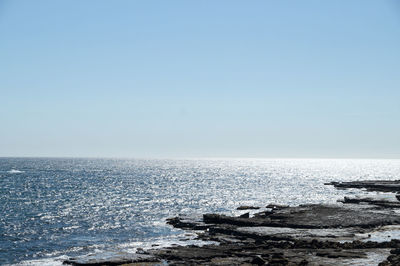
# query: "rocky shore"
[356,231]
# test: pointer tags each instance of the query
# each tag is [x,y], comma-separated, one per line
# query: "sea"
[55,208]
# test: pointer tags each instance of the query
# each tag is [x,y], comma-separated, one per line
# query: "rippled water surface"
[64,207]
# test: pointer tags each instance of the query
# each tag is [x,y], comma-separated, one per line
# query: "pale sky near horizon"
[200,78]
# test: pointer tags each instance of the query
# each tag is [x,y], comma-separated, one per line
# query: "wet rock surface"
[372,201]
[370,185]
[356,231]
[112,258]
[247,208]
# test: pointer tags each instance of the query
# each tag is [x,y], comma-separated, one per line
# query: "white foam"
[14,171]
[185,239]
[43,262]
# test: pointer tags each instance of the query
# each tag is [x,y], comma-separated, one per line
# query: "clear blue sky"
[200,78]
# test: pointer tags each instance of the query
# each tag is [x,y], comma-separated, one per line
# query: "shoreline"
[356,231]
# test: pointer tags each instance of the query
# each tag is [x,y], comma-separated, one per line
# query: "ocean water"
[55,208]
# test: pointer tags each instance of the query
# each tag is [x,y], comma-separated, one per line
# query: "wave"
[14,171]
[55,261]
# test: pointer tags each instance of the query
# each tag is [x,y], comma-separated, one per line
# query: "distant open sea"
[53,208]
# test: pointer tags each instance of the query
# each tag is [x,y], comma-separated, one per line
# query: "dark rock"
[340,254]
[276,206]
[373,201]
[192,252]
[263,214]
[304,262]
[111,258]
[193,222]
[278,259]
[330,216]
[212,218]
[245,215]
[258,260]
[247,208]
[371,185]
[311,216]
[395,251]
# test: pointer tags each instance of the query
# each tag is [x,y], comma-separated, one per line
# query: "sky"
[167,79]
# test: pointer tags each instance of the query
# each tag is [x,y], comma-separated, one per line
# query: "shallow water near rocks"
[54,208]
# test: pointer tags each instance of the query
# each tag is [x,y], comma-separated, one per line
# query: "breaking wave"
[14,171]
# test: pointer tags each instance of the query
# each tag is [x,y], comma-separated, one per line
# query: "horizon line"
[201,158]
